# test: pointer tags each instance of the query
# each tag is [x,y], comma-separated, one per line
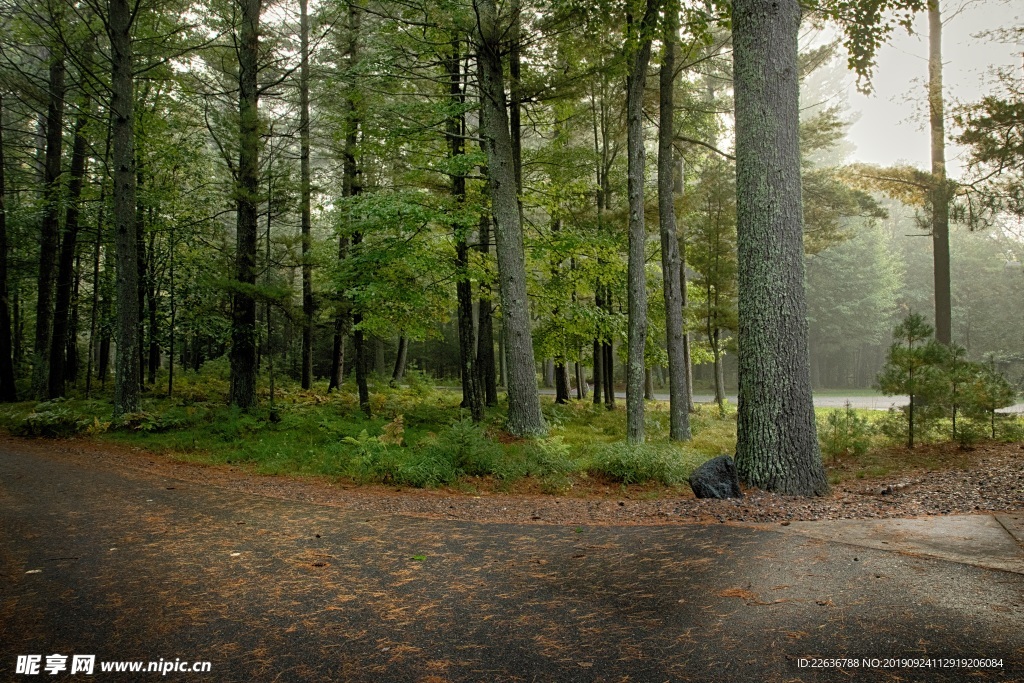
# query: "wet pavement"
[127,565]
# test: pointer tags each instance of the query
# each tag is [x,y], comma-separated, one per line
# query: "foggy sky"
[893,120]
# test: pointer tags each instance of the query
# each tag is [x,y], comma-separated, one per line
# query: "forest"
[351,197]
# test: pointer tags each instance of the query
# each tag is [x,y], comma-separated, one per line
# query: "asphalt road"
[131,566]
[820,400]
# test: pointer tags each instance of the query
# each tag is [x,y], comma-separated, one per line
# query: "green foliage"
[53,419]
[912,368]
[642,463]
[844,432]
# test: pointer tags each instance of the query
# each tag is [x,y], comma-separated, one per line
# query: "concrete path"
[989,541]
[131,566]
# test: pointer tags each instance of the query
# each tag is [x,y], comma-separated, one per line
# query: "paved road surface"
[126,565]
[820,400]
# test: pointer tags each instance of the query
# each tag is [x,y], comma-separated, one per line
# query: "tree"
[941,192]
[243,320]
[993,131]
[679,387]
[8,391]
[524,416]
[637,288]
[911,367]
[122,104]
[308,310]
[777,447]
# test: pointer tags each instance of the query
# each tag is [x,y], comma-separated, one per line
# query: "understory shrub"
[844,432]
[641,463]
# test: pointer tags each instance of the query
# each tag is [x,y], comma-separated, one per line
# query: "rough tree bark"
[940,187]
[8,391]
[637,279]
[485,327]
[472,396]
[678,387]
[524,416]
[50,225]
[350,186]
[122,105]
[69,246]
[777,447]
[243,317]
[304,199]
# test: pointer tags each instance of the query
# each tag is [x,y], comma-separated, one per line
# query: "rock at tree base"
[716,479]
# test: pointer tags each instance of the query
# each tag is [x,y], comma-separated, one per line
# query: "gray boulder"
[716,479]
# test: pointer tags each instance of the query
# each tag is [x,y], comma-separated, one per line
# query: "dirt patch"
[989,478]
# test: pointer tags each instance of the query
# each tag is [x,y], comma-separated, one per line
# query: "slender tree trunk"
[716,349]
[50,227]
[940,191]
[561,383]
[72,363]
[485,327]
[608,366]
[678,387]
[68,250]
[140,266]
[777,445]
[8,391]
[122,104]
[524,415]
[172,322]
[350,187]
[637,278]
[403,350]
[472,396]
[598,369]
[152,306]
[304,199]
[243,319]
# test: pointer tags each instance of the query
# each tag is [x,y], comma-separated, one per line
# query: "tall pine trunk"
[524,415]
[304,199]
[350,187]
[49,235]
[243,317]
[678,387]
[66,277]
[485,327]
[777,445]
[940,187]
[472,396]
[637,278]
[122,104]
[8,391]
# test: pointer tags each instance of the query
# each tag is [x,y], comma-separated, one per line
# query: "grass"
[419,437]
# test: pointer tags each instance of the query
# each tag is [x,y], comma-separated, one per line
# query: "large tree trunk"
[243,318]
[122,104]
[68,249]
[304,199]
[678,387]
[637,279]
[940,190]
[777,445]
[8,391]
[50,226]
[524,416]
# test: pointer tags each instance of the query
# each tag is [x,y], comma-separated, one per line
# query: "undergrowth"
[419,437]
